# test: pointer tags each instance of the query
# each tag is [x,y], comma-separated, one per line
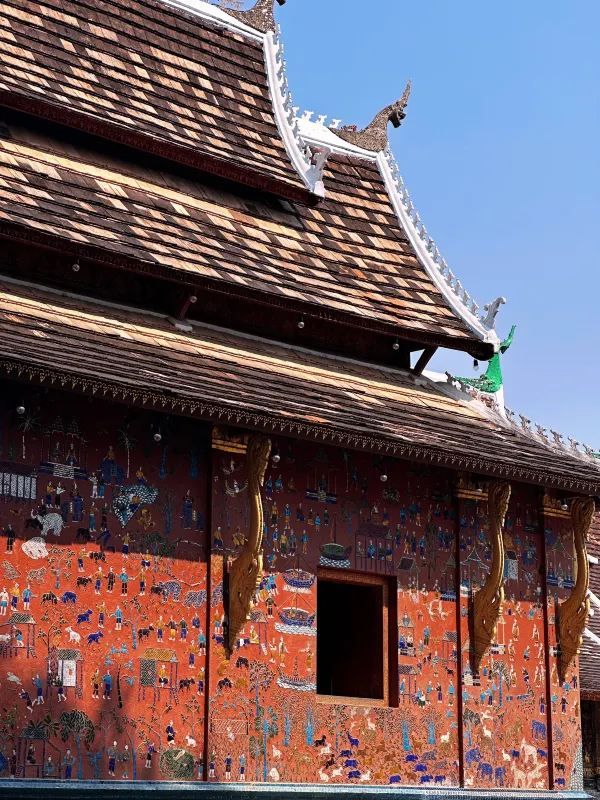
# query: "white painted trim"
[297,150]
[592,636]
[595,600]
[320,135]
[421,244]
[593,559]
[215,14]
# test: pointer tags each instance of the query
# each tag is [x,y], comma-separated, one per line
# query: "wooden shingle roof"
[183,81]
[151,75]
[220,375]
[347,256]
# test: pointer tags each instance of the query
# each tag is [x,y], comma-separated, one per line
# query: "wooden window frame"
[390,644]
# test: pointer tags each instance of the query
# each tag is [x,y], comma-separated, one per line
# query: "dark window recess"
[350,646]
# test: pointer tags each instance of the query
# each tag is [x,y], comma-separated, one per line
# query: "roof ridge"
[557,442]
[309,162]
[459,300]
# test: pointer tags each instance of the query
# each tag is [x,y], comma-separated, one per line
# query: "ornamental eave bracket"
[487,602]
[246,571]
[573,612]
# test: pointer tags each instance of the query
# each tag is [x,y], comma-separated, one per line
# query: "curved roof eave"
[307,164]
[458,299]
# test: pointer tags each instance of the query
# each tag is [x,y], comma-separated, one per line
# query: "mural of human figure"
[68,761]
[170,731]
[10,538]
[3,602]
[112,758]
[187,511]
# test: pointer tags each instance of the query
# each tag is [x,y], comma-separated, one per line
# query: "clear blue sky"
[500,150]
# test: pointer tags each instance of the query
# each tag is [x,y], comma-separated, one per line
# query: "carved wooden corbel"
[246,571]
[573,612]
[487,602]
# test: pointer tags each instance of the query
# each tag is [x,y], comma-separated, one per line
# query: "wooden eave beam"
[193,286]
[424,359]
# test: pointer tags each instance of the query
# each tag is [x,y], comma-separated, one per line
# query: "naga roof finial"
[260,17]
[491,382]
[374,136]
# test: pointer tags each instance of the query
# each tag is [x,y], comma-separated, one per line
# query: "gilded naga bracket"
[260,17]
[573,612]
[246,571]
[374,136]
[487,602]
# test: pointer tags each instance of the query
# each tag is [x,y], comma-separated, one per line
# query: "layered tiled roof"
[347,256]
[218,374]
[149,74]
[183,80]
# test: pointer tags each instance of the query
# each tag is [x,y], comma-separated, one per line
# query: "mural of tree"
[336,720]
[267,727]
[470,720]
[8,722]
[79,727]
[261,677]
[60,561]
[503,675]
[405,717]
[127,441]
[51,635]
[128,665]
[433,719]
[194,715]
[135,616]
[28,423]
[42,729]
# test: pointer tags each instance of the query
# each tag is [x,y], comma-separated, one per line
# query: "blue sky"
[500,150]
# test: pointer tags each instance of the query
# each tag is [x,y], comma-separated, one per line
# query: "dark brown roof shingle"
[144,68]
[220,374]
[348,255]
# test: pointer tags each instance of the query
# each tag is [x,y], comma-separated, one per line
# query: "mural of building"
[245,537]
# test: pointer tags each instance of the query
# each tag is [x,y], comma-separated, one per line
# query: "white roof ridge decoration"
[457,297]
[556,440]
[216,14]
[308,161]
[317,133]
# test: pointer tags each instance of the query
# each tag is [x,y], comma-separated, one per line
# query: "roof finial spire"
[374,136]
[260,17]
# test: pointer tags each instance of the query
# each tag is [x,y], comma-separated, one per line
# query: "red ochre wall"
[259,718]
[145,508]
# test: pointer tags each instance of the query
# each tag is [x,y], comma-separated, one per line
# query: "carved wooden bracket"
[487,603]
[573,612]
[246,571]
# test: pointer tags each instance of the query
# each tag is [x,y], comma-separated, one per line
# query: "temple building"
[245,535]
